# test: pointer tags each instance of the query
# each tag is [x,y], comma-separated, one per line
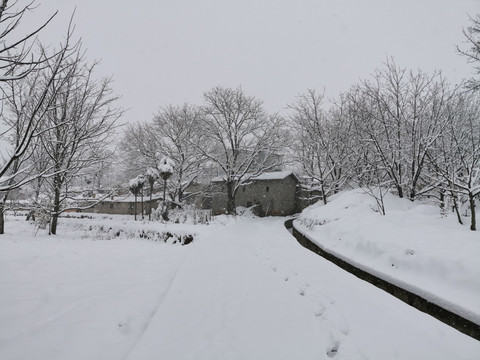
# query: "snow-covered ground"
[412,246]
[244,289]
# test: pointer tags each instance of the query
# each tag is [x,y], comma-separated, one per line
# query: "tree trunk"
[141,194]
[473,223]
[135,208]
[413,194]
[324,196]
[150,211]
[455,207]
[2,218]
[231,208]
[56,210]
[180,193]
[53,226]
[400,191]
[165,205]
[4,200]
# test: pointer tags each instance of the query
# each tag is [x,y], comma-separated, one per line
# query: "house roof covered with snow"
[272,175]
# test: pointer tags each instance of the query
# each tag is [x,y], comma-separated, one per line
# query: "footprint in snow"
[333,349]
[319,310]
[123,327]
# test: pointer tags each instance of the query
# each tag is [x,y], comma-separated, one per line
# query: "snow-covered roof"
[274,175]
[120,198]
[271,175]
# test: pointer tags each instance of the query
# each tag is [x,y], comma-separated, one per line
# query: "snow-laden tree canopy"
[165,167]
[152,174]
[136,184]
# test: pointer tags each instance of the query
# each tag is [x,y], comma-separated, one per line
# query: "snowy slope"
[244,289]
[412,246]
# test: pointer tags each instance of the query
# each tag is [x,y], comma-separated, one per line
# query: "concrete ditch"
[446,316]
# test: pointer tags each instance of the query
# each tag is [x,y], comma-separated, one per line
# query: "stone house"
[121,205]
[272,193]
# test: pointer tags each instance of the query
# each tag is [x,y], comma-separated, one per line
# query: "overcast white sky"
[168,52]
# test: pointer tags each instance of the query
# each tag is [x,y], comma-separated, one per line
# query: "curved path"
[247,291]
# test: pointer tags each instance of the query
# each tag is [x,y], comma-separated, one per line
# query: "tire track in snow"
[77,305]
[158,306]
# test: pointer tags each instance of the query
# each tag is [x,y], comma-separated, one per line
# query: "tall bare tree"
[17,55]
[456,157]
[399,115]
[320,144]
[472,51]
[176,128]
[139,148]
[170,134]
[78,128]
[26,101]
[239,137]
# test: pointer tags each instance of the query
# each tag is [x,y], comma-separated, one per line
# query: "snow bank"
[411,246]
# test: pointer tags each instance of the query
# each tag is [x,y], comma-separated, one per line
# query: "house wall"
[122,207]
[275,197]
[218,198]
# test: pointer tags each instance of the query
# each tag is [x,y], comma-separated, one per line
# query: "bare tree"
[176,128]
[472,52]
[239,137]
[78,128]
[171,133]
[320,143]
[139,148]
[398,116]
[27,99]
[17,55]
[456,159]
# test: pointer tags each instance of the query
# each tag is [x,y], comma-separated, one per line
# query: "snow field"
[244,289]
[67,297]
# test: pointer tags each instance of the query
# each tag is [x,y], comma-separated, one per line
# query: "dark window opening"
[268,189]
[111,206]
